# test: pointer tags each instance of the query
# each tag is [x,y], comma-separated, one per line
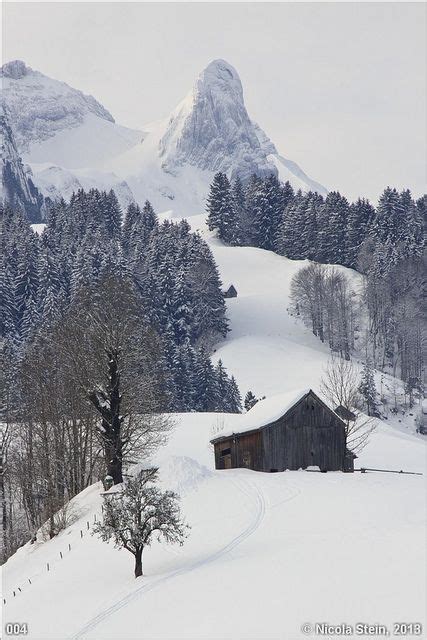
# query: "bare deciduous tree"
[340,385]
[322,296]
[115,358]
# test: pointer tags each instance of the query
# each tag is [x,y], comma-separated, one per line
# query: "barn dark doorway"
[225,459]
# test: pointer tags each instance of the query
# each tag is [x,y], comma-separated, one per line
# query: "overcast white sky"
[339,87]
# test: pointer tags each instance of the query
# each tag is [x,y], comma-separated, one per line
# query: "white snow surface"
[266,552]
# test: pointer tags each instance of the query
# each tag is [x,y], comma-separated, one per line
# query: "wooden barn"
[289,431]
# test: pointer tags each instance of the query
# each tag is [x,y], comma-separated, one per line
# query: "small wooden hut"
[230,292]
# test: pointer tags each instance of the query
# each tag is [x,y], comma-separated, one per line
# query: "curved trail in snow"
[250,490]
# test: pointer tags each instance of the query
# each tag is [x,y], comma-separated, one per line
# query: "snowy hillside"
[71,141]
[264,542]
[258,560]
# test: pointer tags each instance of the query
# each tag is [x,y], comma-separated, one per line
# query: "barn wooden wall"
[309,428]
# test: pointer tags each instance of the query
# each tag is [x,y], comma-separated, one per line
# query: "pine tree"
[233,397]
[52,299]
[275,196]
[411,240]
[368,390]
[361,216]
[309,224]
[113,214]
[181,309]
[263,225]
[132,214]
[239,205]
[388,217]
[289,241]
[206,391]
[221,211]
[250,400]
[221,383]
[333,229]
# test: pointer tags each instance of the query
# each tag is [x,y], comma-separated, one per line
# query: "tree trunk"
[111,419]
[114,468]
[138,563]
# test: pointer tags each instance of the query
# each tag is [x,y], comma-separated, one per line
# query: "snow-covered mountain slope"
[268,551]
[70,140]
[55,123]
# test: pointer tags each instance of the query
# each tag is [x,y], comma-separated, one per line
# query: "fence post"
[69,547]
[60,553]
[47,566]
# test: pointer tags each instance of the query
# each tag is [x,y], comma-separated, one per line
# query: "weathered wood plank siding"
[308,435]
[248,451]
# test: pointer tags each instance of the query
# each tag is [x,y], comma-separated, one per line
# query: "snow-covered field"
[266,552]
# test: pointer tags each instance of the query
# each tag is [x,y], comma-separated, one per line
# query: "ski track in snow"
[247,488]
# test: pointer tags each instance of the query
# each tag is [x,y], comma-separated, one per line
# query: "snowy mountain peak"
[211,128]
[71,141]
[220,75]
[14,69]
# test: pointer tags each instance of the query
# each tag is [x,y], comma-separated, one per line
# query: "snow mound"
[183,474]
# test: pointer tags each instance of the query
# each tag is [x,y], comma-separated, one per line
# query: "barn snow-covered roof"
[264,412]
